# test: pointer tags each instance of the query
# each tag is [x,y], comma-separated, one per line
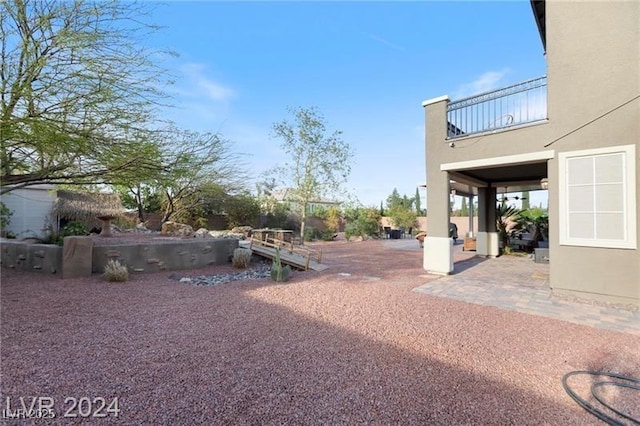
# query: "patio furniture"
[469,244]
[453,232]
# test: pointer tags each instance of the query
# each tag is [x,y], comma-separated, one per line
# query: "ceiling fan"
[516,198]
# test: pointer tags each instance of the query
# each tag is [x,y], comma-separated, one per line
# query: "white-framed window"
[597,191]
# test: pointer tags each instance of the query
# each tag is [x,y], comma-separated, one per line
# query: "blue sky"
[367,66]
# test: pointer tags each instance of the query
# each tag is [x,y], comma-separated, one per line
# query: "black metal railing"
[514,105]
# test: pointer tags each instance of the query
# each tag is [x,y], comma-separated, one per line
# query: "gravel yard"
[350,345]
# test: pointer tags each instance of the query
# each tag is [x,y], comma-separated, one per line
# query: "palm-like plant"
[536,221]
[507,222]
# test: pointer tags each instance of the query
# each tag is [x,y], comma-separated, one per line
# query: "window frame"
[629,201]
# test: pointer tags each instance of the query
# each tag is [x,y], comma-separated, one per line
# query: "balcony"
[516,105]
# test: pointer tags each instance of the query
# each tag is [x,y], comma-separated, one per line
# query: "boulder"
[202,233]
[177,229]
[217,234]
[244,230]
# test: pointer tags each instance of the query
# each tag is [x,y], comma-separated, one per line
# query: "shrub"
[311,233]
[73,228]
[327,235]
[278,217]
[114,271]
[365,222]
[241,258]
[5,218]
[332,219]
[351,230]
[242,209]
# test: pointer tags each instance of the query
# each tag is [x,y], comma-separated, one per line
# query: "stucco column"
[487,239]
[438,247]
[472,231]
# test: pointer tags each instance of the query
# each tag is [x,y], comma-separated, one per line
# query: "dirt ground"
[350,345]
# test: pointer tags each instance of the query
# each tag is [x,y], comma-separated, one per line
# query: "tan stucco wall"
[593,59]
[593,66]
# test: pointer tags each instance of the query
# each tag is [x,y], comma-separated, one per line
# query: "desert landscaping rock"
[247,275]
[324,348]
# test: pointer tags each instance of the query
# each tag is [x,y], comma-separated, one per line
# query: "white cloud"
[199,84]
[385,42]
[487,81]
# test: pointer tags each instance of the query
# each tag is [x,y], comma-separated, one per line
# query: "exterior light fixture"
[544,183]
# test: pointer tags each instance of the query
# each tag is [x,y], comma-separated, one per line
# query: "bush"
[310,233]
[242,209]
[327,235]
[114,271]
[351,230]
[5,218]
[365,222]
[71,229]
[332,219]
[278,217]
[241,258]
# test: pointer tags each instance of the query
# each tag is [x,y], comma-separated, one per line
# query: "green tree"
[394,199]
[525,200]
[464,208]
[418,203]
[77,92]
[195,163]
[320,162]
[242,209]
[363,221]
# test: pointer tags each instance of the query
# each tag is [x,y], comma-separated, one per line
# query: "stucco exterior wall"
[593,68]
[593,54]
[31,207]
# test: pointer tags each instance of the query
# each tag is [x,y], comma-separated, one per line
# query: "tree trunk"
[303,221]
[138,196]
[168,211]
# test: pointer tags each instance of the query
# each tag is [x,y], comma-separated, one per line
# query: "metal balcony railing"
[515,105]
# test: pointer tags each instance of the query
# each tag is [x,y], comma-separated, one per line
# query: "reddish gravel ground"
[324,348]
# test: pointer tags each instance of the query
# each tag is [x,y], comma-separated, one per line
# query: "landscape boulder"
[244,230]
[202,233]
[177,229]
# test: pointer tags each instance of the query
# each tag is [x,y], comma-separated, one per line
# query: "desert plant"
[332,219]
[5,218]
[114,271]
[279,273]
[312,233]
[536,221]
[506,222]
[241,258]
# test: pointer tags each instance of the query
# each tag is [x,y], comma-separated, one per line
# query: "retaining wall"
[75,259]
[21,256]
[169,256]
